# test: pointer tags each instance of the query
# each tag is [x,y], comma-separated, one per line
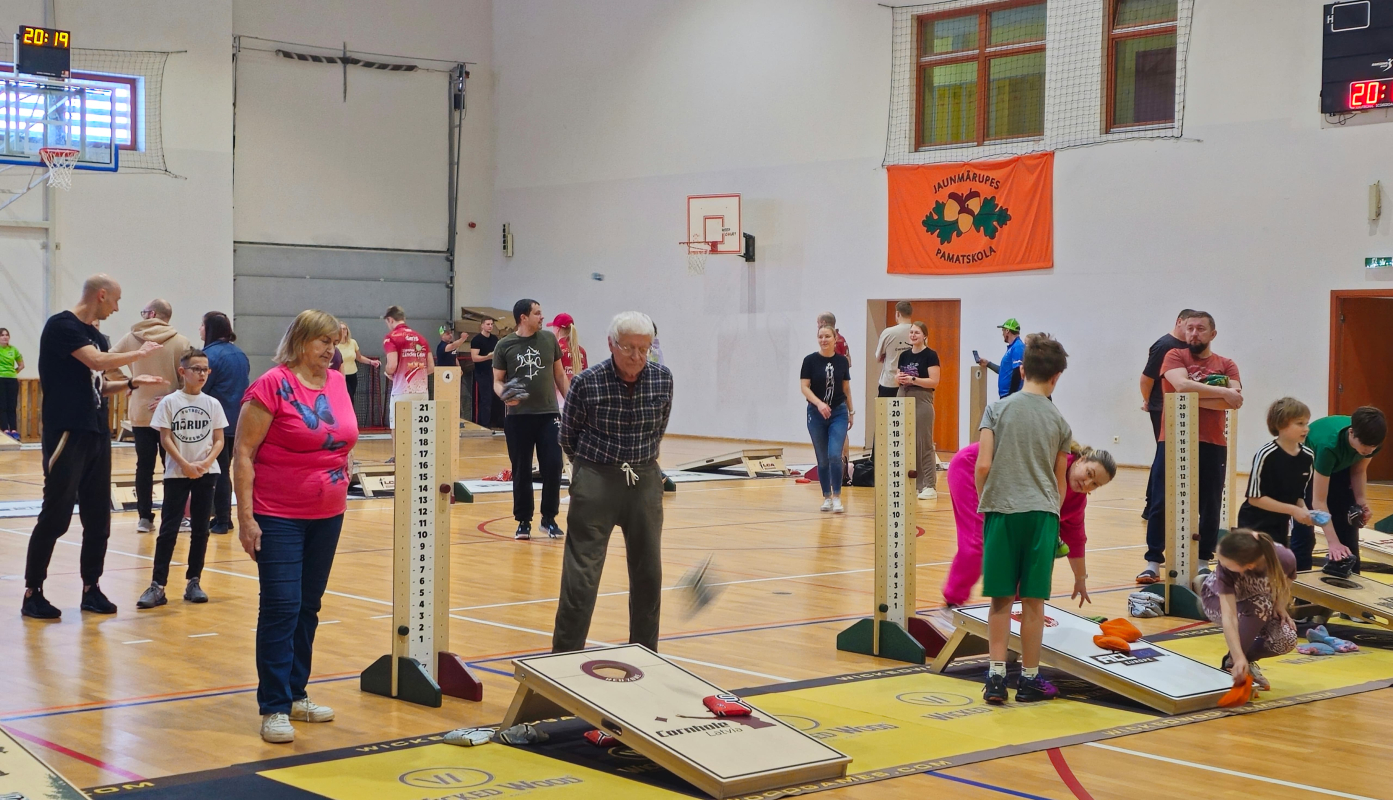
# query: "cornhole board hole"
[1151,675]
[655,708]
[755,460]
[1362,598]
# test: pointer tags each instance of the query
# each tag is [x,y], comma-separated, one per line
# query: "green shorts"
[1018,554]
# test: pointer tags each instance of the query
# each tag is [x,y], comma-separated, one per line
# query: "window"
[115,118]
[981,75]
[1140,79]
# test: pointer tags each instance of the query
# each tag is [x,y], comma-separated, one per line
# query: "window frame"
[1111,37]
[982,55]
[132,82]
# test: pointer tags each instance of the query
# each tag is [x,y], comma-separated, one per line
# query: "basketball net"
[60,162]
[696,256]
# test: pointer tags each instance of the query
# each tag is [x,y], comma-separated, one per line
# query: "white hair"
[631,322]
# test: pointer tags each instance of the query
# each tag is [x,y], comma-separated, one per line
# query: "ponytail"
[572,346]
[1102,458]
[1247,546]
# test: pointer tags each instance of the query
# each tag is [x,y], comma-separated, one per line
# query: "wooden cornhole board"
[8,443]
[375,477]
[1362,598]
[123,489]
[755,460]
[655,708]
[1151,675]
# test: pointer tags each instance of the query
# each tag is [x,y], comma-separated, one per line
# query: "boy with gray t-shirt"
[1021,462]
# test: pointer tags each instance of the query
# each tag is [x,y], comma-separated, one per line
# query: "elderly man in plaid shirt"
[613,421]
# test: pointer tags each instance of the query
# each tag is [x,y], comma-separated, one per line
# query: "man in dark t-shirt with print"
[73,359]
[1343,446]
[531,358]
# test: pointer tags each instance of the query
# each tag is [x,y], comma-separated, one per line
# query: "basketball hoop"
[696,255]
[60,161]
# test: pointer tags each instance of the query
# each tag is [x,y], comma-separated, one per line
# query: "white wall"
[160,236]
[609,115]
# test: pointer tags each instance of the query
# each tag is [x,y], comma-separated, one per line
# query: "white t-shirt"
[893,341]
[191,418]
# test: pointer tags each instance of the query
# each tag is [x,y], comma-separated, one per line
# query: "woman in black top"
[826,383]
[918,377]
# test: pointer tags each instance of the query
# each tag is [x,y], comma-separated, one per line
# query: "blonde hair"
[572,345]
[307,327]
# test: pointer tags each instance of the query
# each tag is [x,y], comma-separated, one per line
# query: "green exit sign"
[1378,262]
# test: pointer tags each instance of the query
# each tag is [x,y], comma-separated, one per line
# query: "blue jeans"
[294,563]
[829,436]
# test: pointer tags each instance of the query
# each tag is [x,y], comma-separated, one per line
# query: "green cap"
[1010,325]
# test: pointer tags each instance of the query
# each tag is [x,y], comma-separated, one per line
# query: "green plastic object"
[1384,525]
[462,493]
[895,642]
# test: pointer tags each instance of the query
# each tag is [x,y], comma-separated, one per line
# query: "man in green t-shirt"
[530,359]
[1343,446]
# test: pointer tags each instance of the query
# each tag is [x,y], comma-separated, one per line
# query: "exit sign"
[1378,262]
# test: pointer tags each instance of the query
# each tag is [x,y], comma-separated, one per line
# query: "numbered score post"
[894,630]
[420,668]
[1181,507]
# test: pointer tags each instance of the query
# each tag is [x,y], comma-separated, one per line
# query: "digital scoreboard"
[1356,56]
[43,51]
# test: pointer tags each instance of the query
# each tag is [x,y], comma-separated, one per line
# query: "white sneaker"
[928,494]
[826,504]
[186,525]
[837,507]
[307,710]
[144,525]
[276,729]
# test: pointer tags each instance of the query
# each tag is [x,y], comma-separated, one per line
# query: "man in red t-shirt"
[409,361]
[1197,369]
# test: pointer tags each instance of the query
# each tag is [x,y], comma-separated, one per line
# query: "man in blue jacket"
[1009,379]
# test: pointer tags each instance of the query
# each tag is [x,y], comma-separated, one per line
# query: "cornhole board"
[374,477]
[655,708]
[1151,675]
[123,489]
[755,460]
[1363,599]
[9,443]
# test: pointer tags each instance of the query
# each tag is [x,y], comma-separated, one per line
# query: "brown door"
[942,318]
[1362,344]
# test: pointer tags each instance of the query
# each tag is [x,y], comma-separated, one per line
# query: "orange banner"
[984,216]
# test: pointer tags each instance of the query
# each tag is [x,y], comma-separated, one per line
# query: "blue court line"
[475,665]
[152,701]
[987,786]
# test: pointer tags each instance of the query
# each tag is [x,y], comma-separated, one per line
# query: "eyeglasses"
[632,352]
[199,370]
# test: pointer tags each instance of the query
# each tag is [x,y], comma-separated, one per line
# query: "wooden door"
[942,318]
[1362,345]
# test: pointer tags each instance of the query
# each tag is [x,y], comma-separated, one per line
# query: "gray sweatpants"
[603,496]
[927,457]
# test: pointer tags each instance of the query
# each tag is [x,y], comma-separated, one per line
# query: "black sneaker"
[552,529]
[38,607]
[218,527]
[995,690]
[524,531]
[1031,690]
[93,600]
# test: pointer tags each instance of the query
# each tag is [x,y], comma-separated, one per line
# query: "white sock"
[1154,567]
[998,668]
[1030,673]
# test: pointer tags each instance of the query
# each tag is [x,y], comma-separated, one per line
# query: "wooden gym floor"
[172,690]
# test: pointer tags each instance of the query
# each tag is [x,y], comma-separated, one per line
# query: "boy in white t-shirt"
[191,425]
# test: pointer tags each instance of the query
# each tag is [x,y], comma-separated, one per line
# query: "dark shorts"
[1018,554]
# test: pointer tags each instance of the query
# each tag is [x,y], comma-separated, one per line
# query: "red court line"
[1067,775]
[1188,626]
[58,748]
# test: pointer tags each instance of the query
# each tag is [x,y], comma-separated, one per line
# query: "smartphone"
[975,357]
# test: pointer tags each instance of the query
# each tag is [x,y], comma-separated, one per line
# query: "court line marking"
[201,635]
[1234,773]
[1066,774]
[139,641]
[475,620]
[83,757]
[980,785]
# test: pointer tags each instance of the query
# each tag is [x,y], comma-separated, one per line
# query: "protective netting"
[972,80]
[147,67]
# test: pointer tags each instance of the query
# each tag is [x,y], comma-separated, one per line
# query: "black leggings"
[9,404]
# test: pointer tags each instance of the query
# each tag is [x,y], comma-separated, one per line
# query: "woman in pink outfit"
[1088,469]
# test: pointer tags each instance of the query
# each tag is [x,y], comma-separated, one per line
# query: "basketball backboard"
[716,218]
[36,113]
